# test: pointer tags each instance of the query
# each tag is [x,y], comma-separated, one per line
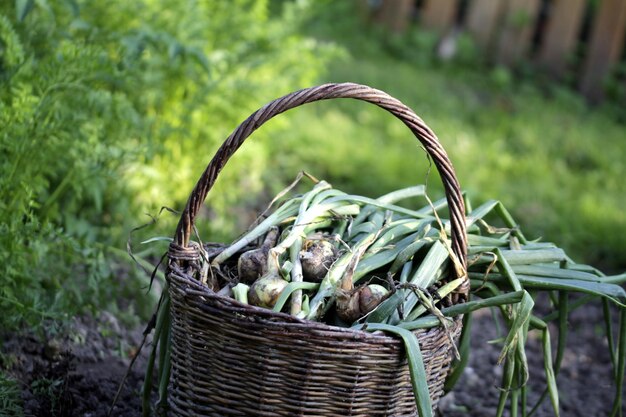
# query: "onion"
[266,290]
[352,305]
[253,263]
[316,259]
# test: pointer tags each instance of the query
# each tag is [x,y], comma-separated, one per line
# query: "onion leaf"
[416,366]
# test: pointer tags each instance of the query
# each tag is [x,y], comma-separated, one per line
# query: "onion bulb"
[253,263]
[266,290]
[352,305]
[316,259]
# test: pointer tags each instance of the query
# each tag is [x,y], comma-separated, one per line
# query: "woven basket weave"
[231,359]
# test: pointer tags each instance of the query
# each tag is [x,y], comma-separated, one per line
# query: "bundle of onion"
[334,256]
[355,261]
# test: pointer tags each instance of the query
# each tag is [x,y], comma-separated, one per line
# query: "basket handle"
[325,92]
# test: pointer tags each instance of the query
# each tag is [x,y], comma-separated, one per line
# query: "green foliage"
[61,143]
[10,401]
[50,389]
[112,109]
[615,88]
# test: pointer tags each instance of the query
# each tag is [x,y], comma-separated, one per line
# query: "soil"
[585,382]
[77,374]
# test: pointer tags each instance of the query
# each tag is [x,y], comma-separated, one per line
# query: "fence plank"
[395,14]
[607,41]
[438,15]
[561,35]
[482,18]
[517,29]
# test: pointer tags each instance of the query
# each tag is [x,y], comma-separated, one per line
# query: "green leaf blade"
[416,366]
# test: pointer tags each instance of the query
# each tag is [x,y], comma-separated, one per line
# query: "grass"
[538,148]
[10,397]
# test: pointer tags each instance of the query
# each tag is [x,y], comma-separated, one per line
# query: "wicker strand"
[183,253]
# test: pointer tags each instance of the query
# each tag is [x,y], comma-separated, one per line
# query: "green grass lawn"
[555,163]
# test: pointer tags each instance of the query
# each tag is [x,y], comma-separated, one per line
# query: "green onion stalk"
[383,267]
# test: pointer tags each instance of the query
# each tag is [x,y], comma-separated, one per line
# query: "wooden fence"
[565,38]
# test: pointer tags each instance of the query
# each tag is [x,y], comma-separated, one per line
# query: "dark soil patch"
[586,387]
[78,374]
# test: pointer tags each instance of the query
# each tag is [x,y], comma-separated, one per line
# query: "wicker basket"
[231,359]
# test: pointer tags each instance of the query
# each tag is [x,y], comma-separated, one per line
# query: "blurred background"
[111,110]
